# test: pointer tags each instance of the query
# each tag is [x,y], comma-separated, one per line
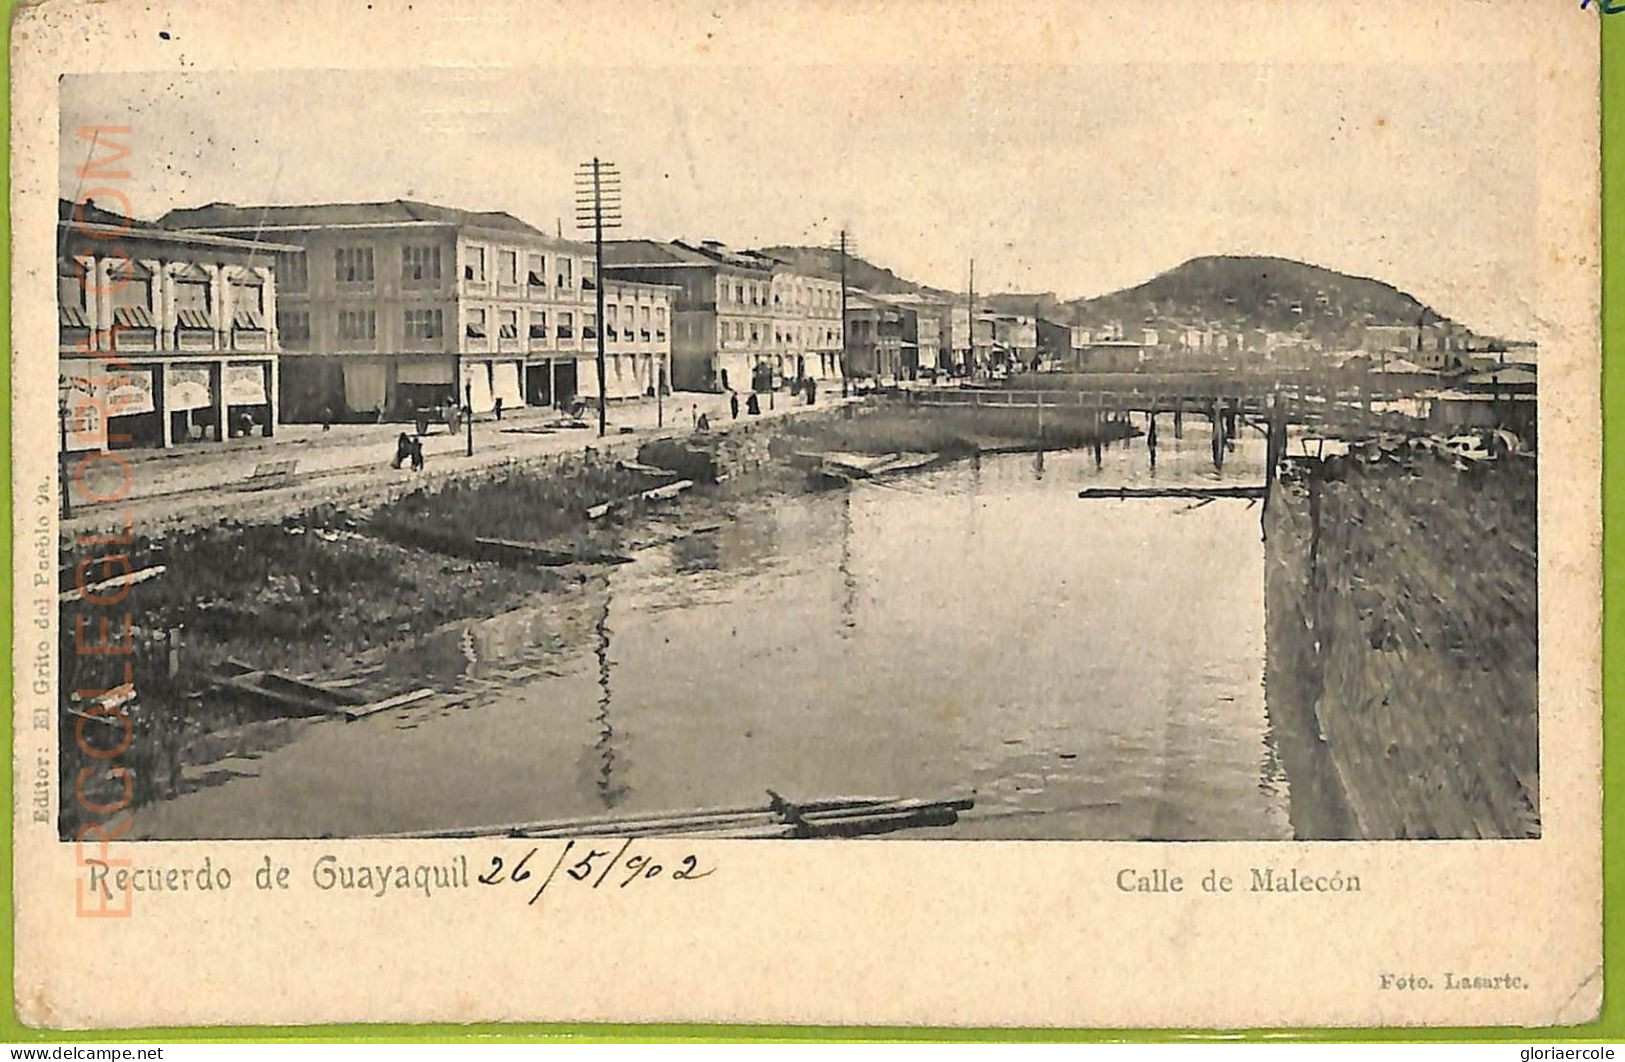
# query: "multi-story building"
[721,307]
[401,305]
[1055,342]
[164,337]
[959,339]
[874,336]
[927,333]
[806,324]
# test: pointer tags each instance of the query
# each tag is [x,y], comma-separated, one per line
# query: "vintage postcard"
[1028,513]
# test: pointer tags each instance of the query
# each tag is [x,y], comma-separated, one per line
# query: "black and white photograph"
[1004,457]
[1028,515]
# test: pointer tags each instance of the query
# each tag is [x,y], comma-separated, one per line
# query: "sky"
[1077,179]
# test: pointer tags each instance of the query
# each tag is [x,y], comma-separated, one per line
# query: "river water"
[1090,669]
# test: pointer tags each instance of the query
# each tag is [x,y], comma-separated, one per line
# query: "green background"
[1609,1026]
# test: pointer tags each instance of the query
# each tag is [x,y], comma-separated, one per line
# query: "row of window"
[429,323]
[536,274]
[422,267]
[738,331]
[736,292]
[191,297]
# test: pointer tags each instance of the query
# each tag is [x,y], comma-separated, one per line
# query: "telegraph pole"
[598,206]
[970,322]
[845,352]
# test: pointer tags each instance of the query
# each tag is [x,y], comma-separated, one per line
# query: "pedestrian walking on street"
[496,406]
[733,404]
[417,455]
[752,406]
[812,390]
[404,451]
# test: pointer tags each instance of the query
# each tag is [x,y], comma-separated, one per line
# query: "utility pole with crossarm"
[598,207]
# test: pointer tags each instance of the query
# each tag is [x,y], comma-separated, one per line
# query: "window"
[420,267]
[352,265]
[566,274]
[538,324]
[295,325]
[566,322]
[128,293]
[660,322]
[755,333]
[739,330]
[508,324]
[508,267]
[589,326]
[192,305]
[537,271]
[293,272]
[589,278]
[247,306]
[646,316]
[424,323]
[739,293]
[475,329]
[611,328]
[474,264]
[70,291]
[358,324]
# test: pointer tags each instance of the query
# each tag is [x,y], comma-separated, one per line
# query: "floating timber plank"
[361,711]
[1172,492]
[834,817]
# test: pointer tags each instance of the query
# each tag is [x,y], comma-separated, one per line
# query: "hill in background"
[1227,292]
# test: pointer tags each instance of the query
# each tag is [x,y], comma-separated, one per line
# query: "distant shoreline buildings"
[229,319]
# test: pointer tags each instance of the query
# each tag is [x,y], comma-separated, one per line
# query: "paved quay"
[350,463]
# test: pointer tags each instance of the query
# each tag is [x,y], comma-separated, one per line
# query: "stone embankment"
[1402,645]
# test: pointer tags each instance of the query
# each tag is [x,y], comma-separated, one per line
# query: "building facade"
[399,306]
[806,325]
[874,336]
[164,337]
[721,307]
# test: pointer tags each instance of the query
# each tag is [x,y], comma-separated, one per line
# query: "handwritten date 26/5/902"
[586,864]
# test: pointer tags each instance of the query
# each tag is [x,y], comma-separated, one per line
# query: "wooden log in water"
[864,825]
[1173,492]
[608,825]
[361,711]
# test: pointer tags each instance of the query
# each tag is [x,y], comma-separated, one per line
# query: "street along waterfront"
[1090,669]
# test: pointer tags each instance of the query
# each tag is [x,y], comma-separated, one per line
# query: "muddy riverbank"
[1402,647]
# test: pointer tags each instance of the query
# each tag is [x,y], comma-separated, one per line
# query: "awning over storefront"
[505,383]
[477,386]
[129,391]
[186,387]
[363,385]
[245,385]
